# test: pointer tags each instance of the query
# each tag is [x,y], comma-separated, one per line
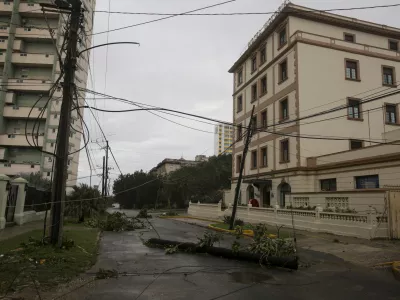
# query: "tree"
[36,180]
[90,204]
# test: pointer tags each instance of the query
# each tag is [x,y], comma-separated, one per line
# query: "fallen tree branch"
[284,262]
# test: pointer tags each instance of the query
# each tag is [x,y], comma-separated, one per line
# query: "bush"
[238,222]
[170,213]
[143,214]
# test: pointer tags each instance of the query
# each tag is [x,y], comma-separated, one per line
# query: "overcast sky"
[182,63]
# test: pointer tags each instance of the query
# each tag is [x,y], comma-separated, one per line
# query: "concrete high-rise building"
[30,68]
[223,139]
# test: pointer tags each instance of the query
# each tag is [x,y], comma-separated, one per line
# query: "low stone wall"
[30,216]
[366,225]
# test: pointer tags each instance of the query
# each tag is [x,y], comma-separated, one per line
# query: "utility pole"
[60,172]
[106,173]
[103,185]
[242,163]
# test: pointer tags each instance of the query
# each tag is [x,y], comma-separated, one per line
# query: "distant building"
[223,139]
[169,165]
[201,158]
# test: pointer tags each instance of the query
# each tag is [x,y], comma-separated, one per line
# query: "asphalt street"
[148,273]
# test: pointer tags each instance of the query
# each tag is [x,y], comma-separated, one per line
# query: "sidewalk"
[9,232]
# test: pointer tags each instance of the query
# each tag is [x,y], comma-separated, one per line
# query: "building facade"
[169,165]
[223,138]
[30,67]
[300,65]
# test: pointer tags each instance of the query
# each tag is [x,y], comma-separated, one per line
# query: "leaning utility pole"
[60,171]
[103,185]
[106,171]
[242,163]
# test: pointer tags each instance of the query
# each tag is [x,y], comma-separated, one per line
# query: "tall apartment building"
[30,67]
[223,139]
[303,62]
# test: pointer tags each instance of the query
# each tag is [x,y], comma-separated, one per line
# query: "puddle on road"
[250,277]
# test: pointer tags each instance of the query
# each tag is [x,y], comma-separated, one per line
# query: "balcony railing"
[19,140]
[32,59]
[18,168]
[6,7]
[29,85]
[33,33]
[23,112]
[35,10]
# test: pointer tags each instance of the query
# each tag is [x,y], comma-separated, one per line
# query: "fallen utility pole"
[61,159]
[242,163]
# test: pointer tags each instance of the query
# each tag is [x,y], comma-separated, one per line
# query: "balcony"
[32,59]
[23,112]
[29,85]
[2,58]
[3,153]
[15,169]
[33,33]
[4,30]
[6,8]
[17,46]
[18,140]
[34,10]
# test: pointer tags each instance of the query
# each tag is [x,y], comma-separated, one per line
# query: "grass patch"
[49,266]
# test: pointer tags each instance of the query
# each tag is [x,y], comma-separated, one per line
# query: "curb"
[227,231]
[396,270]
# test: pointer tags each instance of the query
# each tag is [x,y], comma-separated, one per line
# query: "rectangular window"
[348,37]
[263,54]
[352,70]
[367,182]
[285,151]
[239,77]
[254,64]
[253,92]
[354,109]
[283,75]
[388,76]
[391,113]
[282,37]
[328,184]
[284,110]
[356,144]
[239,104]
[393,45]
[253,125]
[263,84]
[264,119]
[48,173]
[254,159]
[239,132]
[264,158]
[238,161]
[54,130]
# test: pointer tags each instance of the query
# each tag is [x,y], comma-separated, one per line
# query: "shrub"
[170,213]
[120,222]
[143,214]
[209,239]
[238,222]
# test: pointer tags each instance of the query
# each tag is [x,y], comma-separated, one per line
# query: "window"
[54,130]
[48,173]
[367,182]
[50,159]
[32,166]
[55,116]
[354,109]
[282,37]
[285,151]
[348,37]
[239,104]
[264,158]
[253,125]
[391,113]
[328,184]
[284,110]
[263,55]
[388,76]
[52,145]
[253,92]
[240,77]
[238,161]
[254,159]
[263,84]
[355,144]
[264,119]
[283,71]
[352,70]
[239,133]
[254,64]
[393,45]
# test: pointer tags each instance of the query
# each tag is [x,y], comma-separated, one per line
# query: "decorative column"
[19,207]
[3,199]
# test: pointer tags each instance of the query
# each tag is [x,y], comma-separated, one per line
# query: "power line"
[237,13]
[164,18]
